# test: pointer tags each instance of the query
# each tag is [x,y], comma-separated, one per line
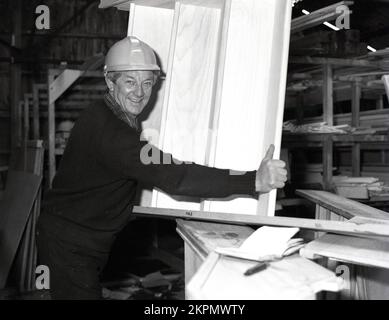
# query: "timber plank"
[361,251]
[368,229]
[345,207]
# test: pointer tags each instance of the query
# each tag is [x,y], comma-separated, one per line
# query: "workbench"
[209,275]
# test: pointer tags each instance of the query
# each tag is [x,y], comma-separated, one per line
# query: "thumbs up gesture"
[271,173]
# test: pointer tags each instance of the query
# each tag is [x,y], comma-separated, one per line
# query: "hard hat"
[130,54]
[65,126]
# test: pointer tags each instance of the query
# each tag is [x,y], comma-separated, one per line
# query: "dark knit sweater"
[96,183]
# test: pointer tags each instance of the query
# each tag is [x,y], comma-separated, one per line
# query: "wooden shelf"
[302,138]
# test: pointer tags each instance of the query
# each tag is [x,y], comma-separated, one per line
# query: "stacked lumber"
[317,127]
[359,187]
[322,127]
[372,118]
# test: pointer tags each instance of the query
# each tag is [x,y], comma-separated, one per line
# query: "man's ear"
[109,83]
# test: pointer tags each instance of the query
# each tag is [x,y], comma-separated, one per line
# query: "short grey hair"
[115,75]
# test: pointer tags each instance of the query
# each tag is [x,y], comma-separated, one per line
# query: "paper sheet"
[264,243]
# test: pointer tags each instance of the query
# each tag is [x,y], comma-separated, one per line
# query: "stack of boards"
[358,187]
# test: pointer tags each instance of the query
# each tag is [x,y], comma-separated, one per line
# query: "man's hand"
[271,173]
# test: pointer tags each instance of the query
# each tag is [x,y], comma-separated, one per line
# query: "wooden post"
[328,154]
[328,99]
[328,116]
[26,117]
[355,108]
[379,103]
[15,77]
[300,108]
[35,112]
[51,129]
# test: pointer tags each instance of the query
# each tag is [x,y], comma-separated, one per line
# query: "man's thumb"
[269,152]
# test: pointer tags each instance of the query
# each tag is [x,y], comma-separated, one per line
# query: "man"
[95,185]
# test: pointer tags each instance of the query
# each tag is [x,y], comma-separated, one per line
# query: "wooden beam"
[327,155]
[385,80]
[15,76]
[62,83]
[364,229]
[69,76]
[342,206]
[355,116]
[318,17]
[51,131]
[361,251]
[35,112]
[334,62]
[104,4]
[328,99]
[328,116]
[26,117]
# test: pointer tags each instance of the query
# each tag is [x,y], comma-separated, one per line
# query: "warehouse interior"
[334,139]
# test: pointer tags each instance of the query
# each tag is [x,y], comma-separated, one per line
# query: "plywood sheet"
[188,103]
[154,26]
[251,98]
[15,207]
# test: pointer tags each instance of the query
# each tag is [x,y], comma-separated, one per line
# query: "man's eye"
[131,83]
[147,84]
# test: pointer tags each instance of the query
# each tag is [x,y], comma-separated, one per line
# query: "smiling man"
[95,186]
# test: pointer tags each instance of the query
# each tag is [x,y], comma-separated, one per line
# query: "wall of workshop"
[93,31]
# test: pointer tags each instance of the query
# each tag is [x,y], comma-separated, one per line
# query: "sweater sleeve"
[123,152]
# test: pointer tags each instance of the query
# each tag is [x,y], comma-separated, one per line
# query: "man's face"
[132,90]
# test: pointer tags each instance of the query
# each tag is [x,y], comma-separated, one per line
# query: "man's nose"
[139,92]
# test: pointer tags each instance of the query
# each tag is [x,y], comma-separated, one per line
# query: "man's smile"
[133,100]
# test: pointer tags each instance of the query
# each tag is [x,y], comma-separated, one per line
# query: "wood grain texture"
[154,26]
[251,97]
[361,251]
[188,102]
[208,236]
[364,229]
[345,207]
[201,238]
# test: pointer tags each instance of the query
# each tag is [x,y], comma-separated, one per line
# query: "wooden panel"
[154,26]
[188,101]
[14,212]
[223,98]
[250,100]
[345,207]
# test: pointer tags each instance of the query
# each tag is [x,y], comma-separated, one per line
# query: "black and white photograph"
[187,157]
